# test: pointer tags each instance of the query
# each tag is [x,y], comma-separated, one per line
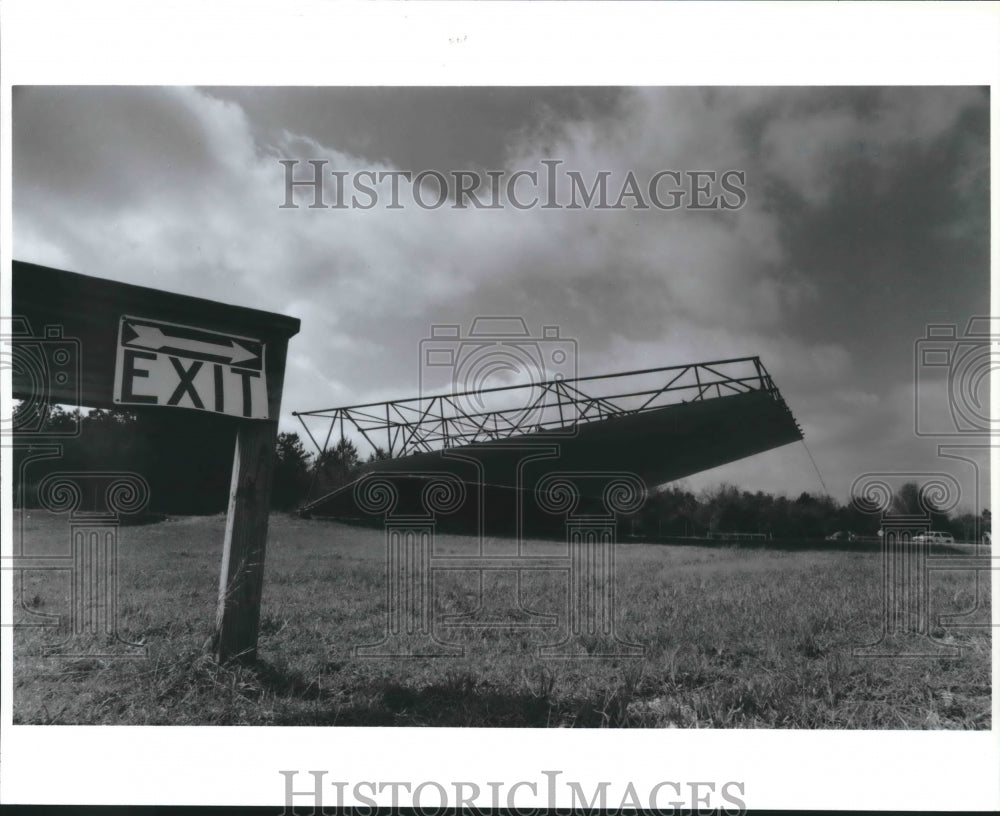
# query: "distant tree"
[940,519]
[32,417]
[906,500]
[852,518]
[291,472]
[726,509]
[670,511]
[811,516]
[966,527]
[377,455]
[336,467]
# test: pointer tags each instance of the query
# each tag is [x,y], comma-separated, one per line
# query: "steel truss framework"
[556,407]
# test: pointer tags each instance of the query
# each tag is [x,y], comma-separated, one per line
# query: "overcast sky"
[866,217]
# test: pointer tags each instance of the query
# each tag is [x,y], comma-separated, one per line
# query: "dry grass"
[735,638]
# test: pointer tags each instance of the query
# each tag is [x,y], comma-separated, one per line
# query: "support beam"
[241,579]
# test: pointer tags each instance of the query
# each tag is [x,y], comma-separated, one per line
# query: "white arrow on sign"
[152,338]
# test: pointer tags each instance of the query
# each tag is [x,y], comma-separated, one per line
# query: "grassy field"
[734,638]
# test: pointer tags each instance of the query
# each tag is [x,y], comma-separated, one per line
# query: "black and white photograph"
[649,417]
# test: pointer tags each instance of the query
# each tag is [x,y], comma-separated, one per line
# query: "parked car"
[934,537]
[841,535]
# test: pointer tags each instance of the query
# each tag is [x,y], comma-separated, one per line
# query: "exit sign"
[177,366]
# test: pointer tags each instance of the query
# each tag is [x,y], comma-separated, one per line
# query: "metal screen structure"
[555,408]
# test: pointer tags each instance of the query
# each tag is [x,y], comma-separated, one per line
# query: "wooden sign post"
[241,579]
[151,350]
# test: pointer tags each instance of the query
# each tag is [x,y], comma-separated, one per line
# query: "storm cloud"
[865,219]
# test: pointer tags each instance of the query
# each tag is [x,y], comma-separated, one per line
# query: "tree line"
[186,458]
[674,511]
